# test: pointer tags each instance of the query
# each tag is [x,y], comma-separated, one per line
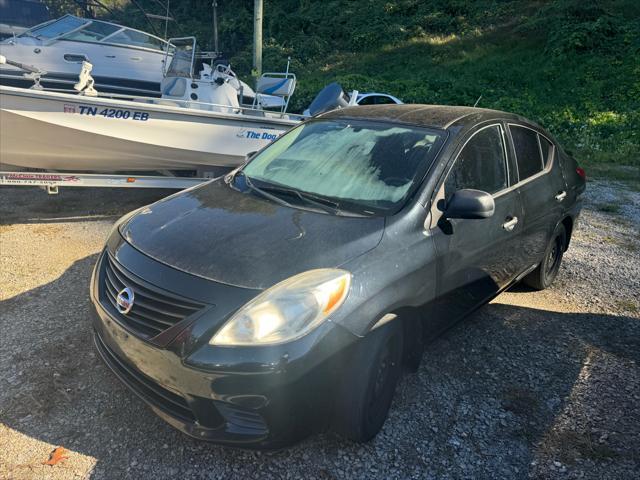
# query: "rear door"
[477,258]
[542,188]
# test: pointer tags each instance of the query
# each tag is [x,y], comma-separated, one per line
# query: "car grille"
[158,396]
[153,310]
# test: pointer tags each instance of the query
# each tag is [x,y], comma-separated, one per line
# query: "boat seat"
[274,86]
[278,86]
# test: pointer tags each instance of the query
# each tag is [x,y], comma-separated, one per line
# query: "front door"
[477,257]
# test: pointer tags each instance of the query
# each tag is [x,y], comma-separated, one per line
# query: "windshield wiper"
[252,187]
[319,201]
[323,203]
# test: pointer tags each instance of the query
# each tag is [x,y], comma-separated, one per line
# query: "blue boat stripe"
[275,87]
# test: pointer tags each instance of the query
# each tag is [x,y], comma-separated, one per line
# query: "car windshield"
[350,162]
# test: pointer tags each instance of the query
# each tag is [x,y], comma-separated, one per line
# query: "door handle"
[510,224]
[560,196]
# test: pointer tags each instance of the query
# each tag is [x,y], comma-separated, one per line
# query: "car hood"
[221,234]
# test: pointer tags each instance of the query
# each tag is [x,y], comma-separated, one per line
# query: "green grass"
[599,166]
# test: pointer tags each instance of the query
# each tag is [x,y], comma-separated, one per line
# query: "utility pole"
[257,38]
[215,26]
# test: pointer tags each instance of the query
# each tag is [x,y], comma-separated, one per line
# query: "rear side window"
[481,165]
[528,156]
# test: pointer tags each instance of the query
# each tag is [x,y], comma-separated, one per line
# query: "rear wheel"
[544,275]
[369,383]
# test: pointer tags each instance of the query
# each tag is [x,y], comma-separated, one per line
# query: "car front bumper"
[250,397]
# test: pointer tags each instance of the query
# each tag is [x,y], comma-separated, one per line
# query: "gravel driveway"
[535,384]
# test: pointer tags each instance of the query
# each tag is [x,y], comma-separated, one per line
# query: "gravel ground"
[535,384]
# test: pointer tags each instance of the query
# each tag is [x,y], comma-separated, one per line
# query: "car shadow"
[506,379]
[34,205]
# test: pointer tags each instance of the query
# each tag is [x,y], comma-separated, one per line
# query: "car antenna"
[477,101]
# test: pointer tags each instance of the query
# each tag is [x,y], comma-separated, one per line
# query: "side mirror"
[469,203]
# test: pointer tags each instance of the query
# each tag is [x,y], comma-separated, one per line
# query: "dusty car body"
[193,294]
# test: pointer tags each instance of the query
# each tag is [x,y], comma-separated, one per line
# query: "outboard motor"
[330,97]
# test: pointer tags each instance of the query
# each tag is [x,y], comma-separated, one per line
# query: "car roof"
[438,116]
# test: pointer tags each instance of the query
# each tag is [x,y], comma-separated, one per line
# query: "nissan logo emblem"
[124,300]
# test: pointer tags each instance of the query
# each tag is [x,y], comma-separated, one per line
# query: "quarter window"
[528,155]
[481,165]
[547,150]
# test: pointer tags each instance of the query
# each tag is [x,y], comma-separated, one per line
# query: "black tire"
[544,275]
[372,373]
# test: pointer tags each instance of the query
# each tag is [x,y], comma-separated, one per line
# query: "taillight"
[580,171]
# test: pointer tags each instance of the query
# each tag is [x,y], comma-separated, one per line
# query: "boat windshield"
[93,32]
[374,166]
[135,38]
[77,29]
[56,28]
[183,57]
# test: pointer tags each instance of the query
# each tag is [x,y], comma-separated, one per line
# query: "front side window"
[384,100]
[373,165]
[481,165]
[370,100]
[528,156]
[375,100]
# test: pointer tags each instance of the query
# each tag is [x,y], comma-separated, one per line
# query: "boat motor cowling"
[329,98]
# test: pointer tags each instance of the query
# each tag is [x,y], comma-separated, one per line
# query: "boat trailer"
[51,181]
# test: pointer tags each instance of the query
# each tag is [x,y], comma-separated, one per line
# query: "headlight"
[288,310]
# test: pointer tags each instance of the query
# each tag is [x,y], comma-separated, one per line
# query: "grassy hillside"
[571,65]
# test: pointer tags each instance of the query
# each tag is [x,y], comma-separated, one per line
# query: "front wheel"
[544,275]
[369,383]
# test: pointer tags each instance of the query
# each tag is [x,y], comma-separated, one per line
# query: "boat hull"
[64,81]
[57,131]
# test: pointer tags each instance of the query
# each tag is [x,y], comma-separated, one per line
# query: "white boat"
[197,124]
[59,131]
[125,60]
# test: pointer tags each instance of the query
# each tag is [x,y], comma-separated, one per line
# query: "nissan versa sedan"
[289,295]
